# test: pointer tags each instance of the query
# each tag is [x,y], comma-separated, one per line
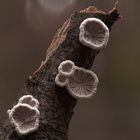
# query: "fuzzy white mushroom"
[83,83]
[66,68]
[24,117]
[61,80]
[93,33]
[30,100]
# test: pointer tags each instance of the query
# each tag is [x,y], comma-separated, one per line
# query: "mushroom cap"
[61,80]
[66,68]
[30,100]
[24,117]
[93,33]
[28,127]
[83,83]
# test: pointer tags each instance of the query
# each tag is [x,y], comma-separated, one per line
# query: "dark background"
[26,30]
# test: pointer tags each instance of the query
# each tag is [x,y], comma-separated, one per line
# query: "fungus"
[93,33]
[61,80]
[30,100]
[24,117]
[83,83]
[66,68]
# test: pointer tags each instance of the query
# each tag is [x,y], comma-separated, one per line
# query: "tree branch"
[56,104]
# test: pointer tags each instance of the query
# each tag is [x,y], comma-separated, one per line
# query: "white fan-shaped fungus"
[93,33]
[66,68]
[61,80]
[24,117]
[83,83]
[30,100]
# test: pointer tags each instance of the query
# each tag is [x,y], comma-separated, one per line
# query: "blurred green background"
[26,30]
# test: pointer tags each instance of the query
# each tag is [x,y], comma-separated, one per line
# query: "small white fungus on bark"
[83,83]
[93,33]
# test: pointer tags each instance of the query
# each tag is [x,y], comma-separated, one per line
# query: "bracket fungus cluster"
[65,69]
[25,115]
[93,33]
[80,83]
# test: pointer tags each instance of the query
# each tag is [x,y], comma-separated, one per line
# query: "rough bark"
[56,104]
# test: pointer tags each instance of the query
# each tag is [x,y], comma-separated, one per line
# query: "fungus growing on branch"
[24,117]
[55,118]
[83,83]
[80,83]
[93,33]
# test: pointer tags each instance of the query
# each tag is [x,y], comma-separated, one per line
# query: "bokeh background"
[26,30]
